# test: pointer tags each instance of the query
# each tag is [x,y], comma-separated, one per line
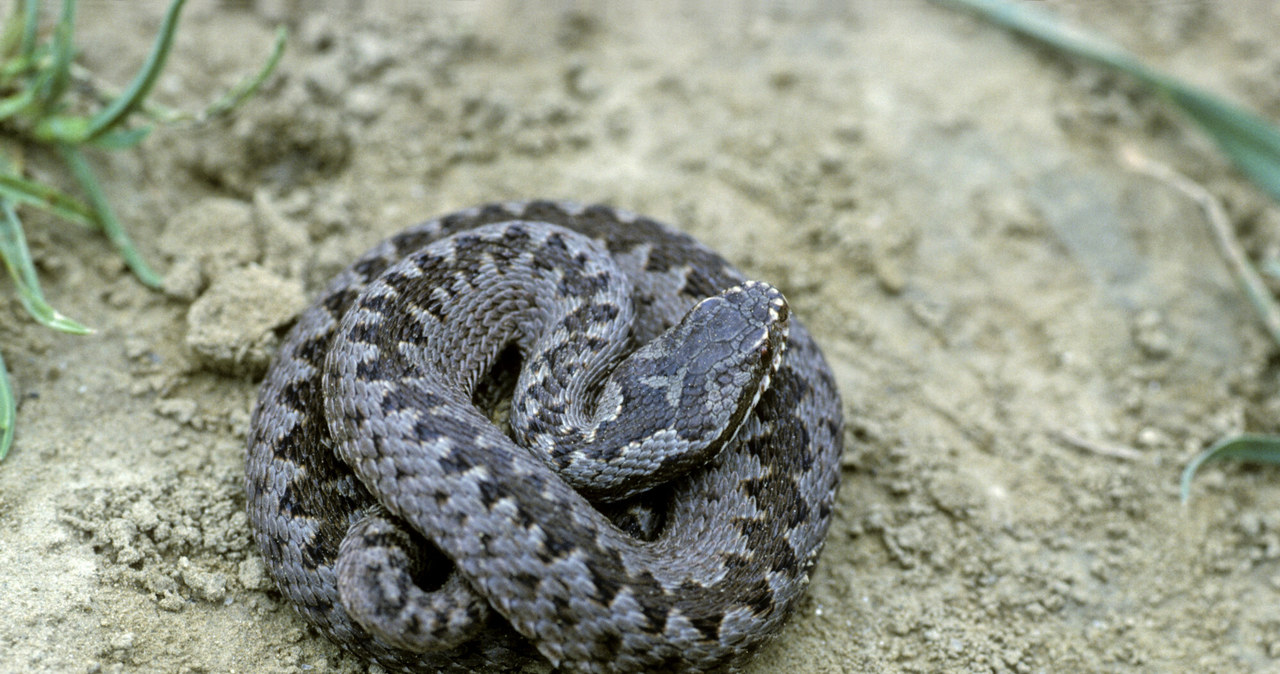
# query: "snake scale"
[658,496]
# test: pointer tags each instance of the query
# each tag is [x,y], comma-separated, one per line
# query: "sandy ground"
[1031,338]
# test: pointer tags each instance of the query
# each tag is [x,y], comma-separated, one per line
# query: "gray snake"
[659,498]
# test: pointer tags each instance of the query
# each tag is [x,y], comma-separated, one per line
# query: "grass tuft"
[40,112]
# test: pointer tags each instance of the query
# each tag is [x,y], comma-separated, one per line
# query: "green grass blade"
[17,103]
[1042,25]
[8,412]
[12,33]
[30,24]
[17,259]
[127,102]
[18,41]
[106,219]
[1249,140]
[250,85]
[228,101]
[53,128]
[1245,447]
[121,139]
[44,197]
[64,50]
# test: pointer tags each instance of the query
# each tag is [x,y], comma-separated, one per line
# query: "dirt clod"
[233,327]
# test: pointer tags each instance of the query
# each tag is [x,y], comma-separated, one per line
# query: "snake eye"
[766,352]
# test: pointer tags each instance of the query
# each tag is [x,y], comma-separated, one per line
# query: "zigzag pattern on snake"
[657,386]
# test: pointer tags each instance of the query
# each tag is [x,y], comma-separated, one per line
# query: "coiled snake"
[408,526]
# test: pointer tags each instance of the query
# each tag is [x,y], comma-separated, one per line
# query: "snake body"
[657,385]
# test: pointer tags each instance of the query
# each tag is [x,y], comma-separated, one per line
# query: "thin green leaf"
[17,103]
[8,412]
[1248,139]
[126,103]
[250,85]
[228,101]
[18,42]
[1246,447]
[12,68]
[1042,25]
[64,50]
[60,128]
[11,36]
[106,219]
[17,259]
[30,25]
[46,198]
[121,139]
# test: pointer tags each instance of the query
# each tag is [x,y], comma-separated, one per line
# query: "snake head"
[677,401]
[731,346]
[759,313]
